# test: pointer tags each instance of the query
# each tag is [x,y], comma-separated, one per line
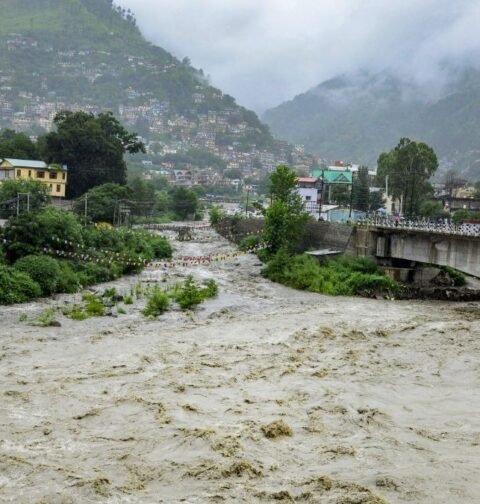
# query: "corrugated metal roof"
[26,163]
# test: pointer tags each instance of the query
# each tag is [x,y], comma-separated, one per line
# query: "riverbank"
[381,398]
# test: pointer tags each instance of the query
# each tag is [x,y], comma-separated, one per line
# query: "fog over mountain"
[265,53]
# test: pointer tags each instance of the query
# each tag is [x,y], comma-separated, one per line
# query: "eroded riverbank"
[382,398]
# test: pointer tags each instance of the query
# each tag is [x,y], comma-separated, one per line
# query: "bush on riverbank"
[42,269]
[190,294]
[345,276]
[16,287]
[83,256]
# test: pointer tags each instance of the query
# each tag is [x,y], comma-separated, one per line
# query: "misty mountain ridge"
[357,116]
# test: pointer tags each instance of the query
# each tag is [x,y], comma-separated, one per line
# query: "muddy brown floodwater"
[263,394]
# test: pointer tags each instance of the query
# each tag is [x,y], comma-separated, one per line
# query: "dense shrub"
[157,302]
[137,245]
[42,269]
[29,233]
[68,280]
[249,242]
[16,287]
[345,276]
[190,293]
[216,214]
[90,273]
[114,251]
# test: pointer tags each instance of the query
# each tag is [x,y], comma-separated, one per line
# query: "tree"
[102,202]
[91,147]
[285,219]
[37,199]
[16,145]
[184,202]
[361,190]
[376,200]
[143,194]
[432,209]
[409,167]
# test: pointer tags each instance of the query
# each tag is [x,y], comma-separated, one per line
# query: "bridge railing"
[446,228]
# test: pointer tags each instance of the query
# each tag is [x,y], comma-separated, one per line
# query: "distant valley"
[356,117]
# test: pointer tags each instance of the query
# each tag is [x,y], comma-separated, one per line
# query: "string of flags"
[119,258]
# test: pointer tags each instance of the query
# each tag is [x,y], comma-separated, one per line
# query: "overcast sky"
[264,52]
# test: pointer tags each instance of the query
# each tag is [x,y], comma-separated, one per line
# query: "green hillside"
[91,53]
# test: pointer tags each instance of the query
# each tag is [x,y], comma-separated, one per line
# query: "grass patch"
[46,319]
[457,278]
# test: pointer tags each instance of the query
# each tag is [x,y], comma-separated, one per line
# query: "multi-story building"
[54,176]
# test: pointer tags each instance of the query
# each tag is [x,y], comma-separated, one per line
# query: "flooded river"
[263,394]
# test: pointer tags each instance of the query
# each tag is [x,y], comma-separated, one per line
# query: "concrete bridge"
[422,242]
[441,245]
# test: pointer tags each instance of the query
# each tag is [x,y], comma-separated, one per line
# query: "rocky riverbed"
[263,394]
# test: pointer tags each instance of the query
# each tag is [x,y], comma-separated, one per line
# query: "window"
[53,175]
[58,187]
[51,187]
[40,174]
[308,198]
[63,176]
[29,173]
[19,173]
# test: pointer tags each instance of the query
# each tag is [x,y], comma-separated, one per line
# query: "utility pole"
[351,199]
[321,196]
[246,206]
[18,201]
[86,207]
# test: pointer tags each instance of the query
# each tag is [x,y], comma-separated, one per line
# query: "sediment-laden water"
[263,394]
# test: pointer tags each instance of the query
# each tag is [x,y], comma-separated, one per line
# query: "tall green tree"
[184,202]
[91,147]
[409,167]
[361,190]
[285,219]
[144,197]
[102,202]
[16,145]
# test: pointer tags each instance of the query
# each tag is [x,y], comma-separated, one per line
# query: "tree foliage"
[91,147]
[361,190]
[102,202]
[38,196]
[285,219]
[30,232]
[409,167]
[184,202]
[16,145]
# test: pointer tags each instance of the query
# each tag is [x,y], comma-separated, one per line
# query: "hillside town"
[212,123]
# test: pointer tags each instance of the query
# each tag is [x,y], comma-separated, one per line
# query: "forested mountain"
[90,55]
[355,117]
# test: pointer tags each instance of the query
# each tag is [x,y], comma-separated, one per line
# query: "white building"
[309,190]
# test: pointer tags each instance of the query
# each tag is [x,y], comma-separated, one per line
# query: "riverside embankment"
[382,397]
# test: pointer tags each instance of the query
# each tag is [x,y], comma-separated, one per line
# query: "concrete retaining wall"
[317,235]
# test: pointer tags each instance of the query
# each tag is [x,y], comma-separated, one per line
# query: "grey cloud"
[266,52]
